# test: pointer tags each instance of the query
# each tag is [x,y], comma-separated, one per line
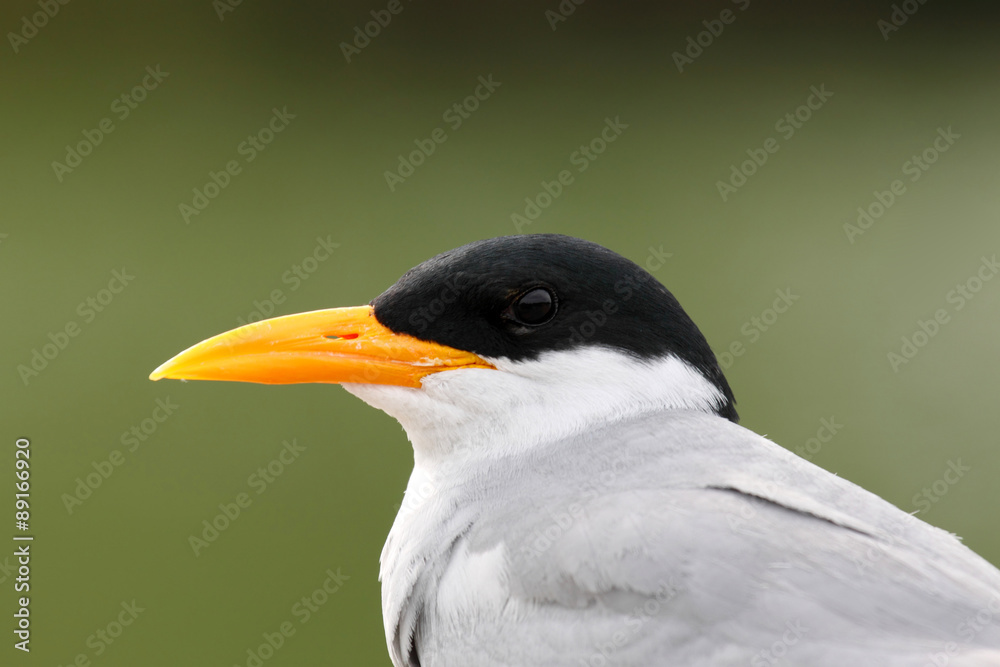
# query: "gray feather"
[678,539]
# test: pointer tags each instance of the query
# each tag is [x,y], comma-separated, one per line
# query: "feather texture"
[676,538]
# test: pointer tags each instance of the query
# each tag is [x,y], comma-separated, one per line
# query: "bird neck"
[475,413]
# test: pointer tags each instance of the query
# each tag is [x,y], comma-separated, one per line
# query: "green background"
[323,176]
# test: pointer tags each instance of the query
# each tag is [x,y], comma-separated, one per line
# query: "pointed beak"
[331,346]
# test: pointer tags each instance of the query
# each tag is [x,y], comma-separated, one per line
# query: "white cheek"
[523,404]
[386,398]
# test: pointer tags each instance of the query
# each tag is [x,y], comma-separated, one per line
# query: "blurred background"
[170,170]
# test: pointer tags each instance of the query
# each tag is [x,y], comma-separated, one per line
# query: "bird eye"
[534,307]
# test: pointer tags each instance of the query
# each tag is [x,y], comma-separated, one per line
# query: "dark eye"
[534,307]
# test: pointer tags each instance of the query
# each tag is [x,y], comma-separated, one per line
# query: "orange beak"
[333,346]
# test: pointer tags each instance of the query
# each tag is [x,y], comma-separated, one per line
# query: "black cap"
[516,297]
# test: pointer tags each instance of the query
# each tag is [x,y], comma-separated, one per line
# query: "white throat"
[487,413]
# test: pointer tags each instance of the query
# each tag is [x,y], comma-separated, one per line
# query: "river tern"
[582,495]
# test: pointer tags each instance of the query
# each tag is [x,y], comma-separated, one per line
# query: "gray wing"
[686,540]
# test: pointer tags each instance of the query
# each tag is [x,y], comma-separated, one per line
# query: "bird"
[582,494]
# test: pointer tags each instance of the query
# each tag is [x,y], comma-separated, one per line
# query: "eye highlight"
[533,308]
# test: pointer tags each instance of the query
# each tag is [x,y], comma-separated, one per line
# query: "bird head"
[507,342]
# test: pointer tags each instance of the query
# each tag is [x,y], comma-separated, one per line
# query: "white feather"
[522,405]
[588,509]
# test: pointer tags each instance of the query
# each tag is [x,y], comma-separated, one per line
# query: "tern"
[582,494]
